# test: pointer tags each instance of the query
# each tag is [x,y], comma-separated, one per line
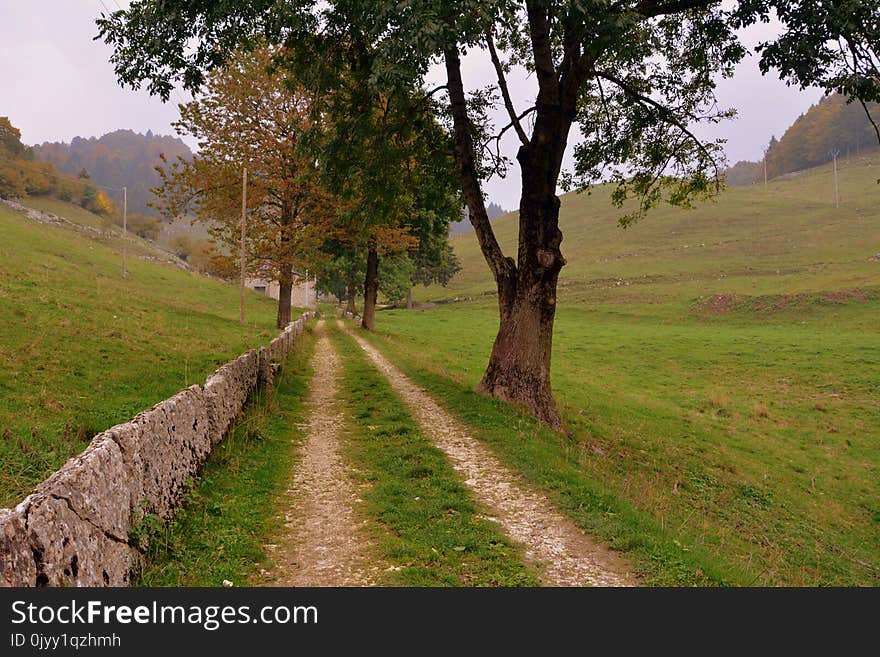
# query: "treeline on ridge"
[830,126]
[21,174]
[122,158]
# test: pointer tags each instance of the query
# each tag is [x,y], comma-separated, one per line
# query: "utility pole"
[834,155]
[124,230]
[243,227]
[307,289]
[765,169]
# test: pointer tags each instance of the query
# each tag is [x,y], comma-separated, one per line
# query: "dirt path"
[565,554]
[324,543]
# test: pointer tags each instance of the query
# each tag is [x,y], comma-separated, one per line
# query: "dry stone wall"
[75,529]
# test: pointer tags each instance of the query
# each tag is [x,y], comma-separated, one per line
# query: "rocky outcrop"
[75,529]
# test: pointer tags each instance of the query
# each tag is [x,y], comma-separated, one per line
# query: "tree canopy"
[247,117]
[831,126]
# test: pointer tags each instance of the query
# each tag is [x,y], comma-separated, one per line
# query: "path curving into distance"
[323,543]
[565,555]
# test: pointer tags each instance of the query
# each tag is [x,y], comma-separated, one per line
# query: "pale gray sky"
[56,83]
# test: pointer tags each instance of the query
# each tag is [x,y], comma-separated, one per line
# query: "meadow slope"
[82,348]
[786,238]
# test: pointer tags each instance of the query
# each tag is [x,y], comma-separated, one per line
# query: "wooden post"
[124,230]
[836,192]
[243,232]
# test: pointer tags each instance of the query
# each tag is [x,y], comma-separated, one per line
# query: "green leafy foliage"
[833,45]
[395,276]
[144,226]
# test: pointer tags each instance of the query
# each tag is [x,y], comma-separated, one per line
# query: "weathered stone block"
[266,372]
[227,390]
[17,565]
[127,437]
[175,439]
[70,551]
[275,349]
[95,486]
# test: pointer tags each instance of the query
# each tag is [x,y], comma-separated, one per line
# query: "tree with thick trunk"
[285,289]
[371,286]
[349,296]
[553,42]
[519,365]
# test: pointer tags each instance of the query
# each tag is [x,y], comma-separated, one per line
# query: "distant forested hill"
[21,176]
[829,126]
[123,158]
[744,173]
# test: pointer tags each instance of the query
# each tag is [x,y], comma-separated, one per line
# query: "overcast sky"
[56,83]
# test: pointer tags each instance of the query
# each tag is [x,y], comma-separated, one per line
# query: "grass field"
[82,349]
[719,374]
[784,239]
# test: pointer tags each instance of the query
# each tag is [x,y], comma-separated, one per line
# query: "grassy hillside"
[787,238]
[81,348]
[717,370]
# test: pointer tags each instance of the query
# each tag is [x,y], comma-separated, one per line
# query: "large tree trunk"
[409,299]
[285,287]
[285,270]
[371,286]
[350,292]
[519,366]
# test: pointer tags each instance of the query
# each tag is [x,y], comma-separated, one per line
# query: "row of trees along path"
[633,76]
[325,543]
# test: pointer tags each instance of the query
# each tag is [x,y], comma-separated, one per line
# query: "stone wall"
[74,529]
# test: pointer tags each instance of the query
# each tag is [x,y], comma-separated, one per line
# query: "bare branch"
[870,118]
[653,8]
[665,113]
[603,101]
[465,164]
[497,138]
[505,93]
[435,90]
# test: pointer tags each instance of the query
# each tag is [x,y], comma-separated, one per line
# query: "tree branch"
[870,118]
[502,267]
[545,69]
[653,8]
[665,113]
[505,93]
